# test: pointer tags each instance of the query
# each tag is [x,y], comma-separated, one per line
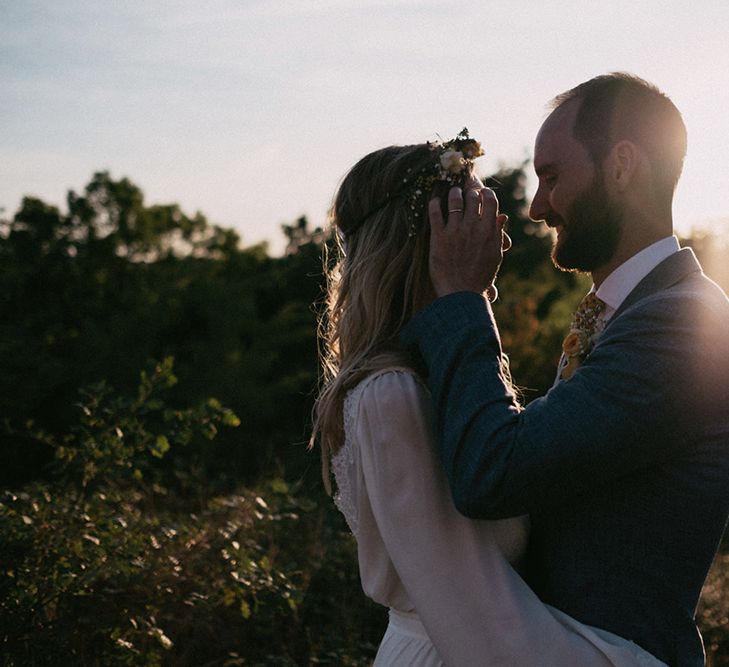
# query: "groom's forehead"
[558,124]
[555,140]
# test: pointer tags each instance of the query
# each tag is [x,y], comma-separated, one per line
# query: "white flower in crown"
[452,161]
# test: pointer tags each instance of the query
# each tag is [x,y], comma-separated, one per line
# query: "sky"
[252,111]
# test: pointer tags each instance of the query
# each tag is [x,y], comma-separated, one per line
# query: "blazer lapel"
[670,271]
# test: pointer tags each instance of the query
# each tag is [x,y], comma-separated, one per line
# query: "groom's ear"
[624,164]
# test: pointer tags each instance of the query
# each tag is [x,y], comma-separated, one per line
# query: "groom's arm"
[648,388]
[623,410]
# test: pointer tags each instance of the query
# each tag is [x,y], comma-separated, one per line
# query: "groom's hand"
[466,251]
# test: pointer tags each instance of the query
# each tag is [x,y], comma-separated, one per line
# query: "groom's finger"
[455,205]
[505,242]
[501,221]
[435,216]
[490,205]
[472,205]
[490,211]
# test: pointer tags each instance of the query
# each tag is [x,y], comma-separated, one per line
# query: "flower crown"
[451,162]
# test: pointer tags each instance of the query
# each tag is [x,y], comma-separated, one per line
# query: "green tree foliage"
[97,292]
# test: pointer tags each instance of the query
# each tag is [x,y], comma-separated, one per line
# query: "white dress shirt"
[623,280]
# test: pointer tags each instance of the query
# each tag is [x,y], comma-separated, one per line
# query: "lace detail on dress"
[342,465]
[343,462]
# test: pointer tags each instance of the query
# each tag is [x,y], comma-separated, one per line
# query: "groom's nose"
[539,207]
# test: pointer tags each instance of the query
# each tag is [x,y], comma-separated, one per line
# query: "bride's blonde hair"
[376,281]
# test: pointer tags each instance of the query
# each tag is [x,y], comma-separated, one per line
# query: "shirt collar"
[621,282]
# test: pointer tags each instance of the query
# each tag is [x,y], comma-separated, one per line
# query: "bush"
[120,561]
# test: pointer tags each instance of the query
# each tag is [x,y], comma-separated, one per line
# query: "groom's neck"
[631,244]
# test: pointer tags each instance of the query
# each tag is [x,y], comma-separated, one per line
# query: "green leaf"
[161,446]
[231,419]
[163,639]
[279,486]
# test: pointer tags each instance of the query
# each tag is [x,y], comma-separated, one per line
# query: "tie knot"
[588,312]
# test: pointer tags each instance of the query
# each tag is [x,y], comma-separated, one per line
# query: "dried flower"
[452,162]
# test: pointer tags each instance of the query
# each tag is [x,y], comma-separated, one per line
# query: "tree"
[97,292]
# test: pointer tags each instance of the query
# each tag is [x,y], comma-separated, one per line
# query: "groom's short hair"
[623,106]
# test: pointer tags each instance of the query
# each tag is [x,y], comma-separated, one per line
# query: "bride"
[451,584]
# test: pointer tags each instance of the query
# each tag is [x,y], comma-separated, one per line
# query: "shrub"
[119,560]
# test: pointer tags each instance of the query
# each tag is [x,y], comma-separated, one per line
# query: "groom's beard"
[590,231]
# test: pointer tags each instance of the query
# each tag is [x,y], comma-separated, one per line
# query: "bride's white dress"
[451,583]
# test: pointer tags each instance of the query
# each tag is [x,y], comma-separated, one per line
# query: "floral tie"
[581,338]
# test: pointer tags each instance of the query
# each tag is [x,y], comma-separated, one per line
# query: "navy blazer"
[624,468]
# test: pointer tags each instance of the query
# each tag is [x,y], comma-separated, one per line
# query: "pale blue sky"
[252,111]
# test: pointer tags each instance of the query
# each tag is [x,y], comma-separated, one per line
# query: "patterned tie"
[581,338]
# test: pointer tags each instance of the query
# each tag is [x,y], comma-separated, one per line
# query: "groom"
[624,465]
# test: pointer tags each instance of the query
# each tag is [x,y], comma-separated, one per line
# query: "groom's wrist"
[445,318]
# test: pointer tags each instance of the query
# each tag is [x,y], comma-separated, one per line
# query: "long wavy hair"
[376,281]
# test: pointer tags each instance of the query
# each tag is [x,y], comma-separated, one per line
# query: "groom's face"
[571,197]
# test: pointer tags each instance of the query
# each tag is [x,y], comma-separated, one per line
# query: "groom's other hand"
[467,249]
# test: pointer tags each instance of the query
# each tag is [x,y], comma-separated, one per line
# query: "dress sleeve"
[474,606]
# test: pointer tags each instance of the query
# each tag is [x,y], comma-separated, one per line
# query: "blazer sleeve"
[625,408]
[474,606]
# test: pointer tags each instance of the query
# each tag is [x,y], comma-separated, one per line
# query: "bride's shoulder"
[388,386]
